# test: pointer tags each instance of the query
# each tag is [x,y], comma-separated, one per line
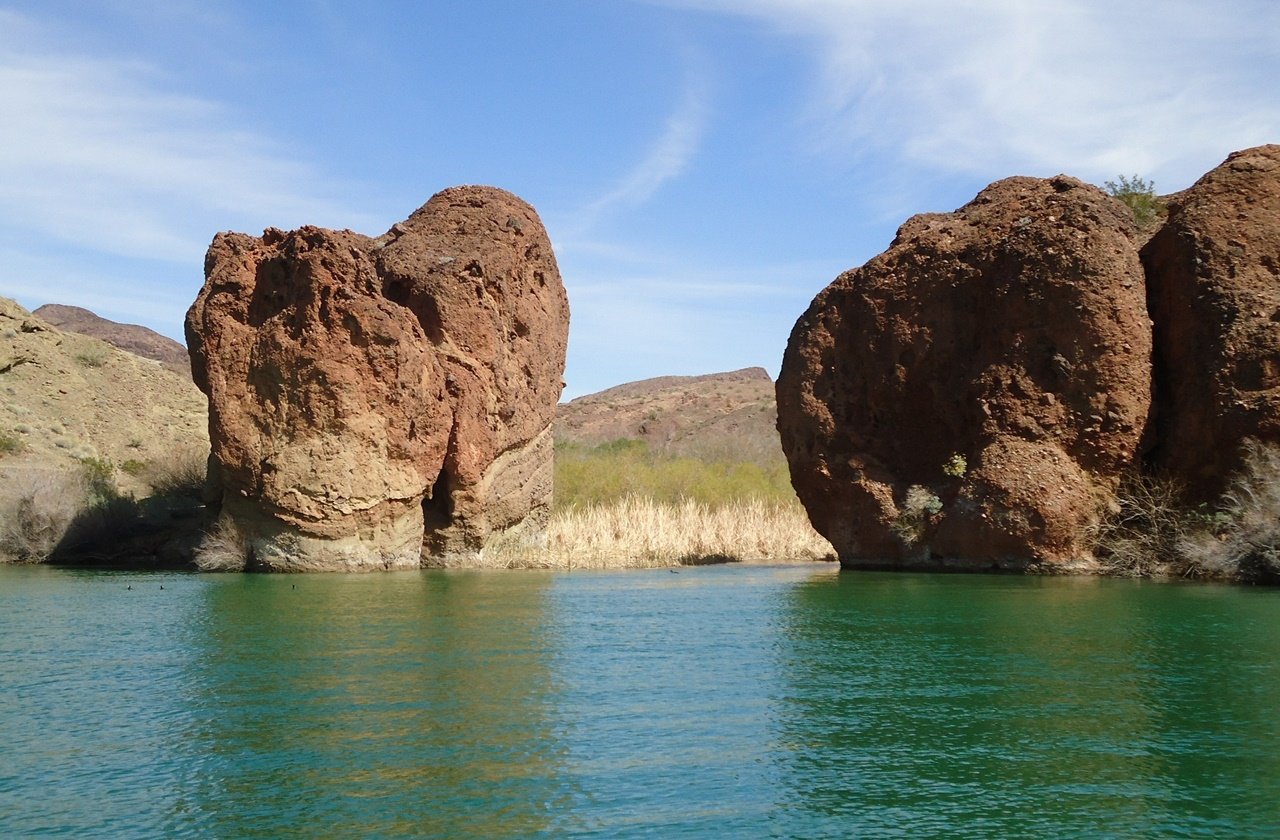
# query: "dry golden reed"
[637,532]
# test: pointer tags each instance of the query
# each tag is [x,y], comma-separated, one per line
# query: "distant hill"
[131,338]
[721,415]
[67,397]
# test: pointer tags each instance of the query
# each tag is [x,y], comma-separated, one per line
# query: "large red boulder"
[970,396]
[1213,272]
[382,403]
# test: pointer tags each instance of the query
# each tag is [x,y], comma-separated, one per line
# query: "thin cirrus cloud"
[94,154]
[990,87]
[665,160]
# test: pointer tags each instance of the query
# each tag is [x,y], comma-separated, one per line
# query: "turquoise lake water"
[716,702]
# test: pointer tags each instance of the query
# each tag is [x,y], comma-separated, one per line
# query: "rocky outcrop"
[967,396]
[130,338]
[1214,277]
[383,403]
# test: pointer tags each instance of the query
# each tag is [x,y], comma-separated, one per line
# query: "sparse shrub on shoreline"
[1153,532]
[79,515]
[1246,543]
[46,511]
[37,506]
[1139,536]
[222,548]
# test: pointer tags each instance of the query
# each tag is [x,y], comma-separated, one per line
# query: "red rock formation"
[1012,333]
[379,403]
[1214,277]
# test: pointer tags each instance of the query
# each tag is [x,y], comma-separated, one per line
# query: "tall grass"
[637,532]
[622,469]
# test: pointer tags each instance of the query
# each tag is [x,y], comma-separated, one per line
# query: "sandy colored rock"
[1214,277]
[1012,333]
[381,403]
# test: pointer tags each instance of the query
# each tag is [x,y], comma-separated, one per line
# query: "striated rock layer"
[1214,277]
[383,403]
[967,396]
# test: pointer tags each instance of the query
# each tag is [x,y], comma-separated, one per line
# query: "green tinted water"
[717,702]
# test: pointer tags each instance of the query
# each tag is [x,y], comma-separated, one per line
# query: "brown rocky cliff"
[1214,285]
[1012,333]
[367,394]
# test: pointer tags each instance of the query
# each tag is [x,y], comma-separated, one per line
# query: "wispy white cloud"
[95,153]
[992,87]
[666,158]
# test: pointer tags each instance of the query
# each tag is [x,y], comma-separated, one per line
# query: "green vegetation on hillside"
[616,470]
[10,443]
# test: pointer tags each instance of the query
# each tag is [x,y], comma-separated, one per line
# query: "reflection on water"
[711,702]
[406,705]
[987,706]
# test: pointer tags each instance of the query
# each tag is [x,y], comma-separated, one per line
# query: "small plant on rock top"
[1139,196]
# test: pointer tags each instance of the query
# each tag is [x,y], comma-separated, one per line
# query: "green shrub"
[95,357]
[918,509]
[1140,197]
[10,443]
[133,467]
[99,479]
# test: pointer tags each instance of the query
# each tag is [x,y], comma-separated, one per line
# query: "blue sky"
[704,167]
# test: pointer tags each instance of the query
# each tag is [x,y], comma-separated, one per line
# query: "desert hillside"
[132,338]
[68,397]
[728,416]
